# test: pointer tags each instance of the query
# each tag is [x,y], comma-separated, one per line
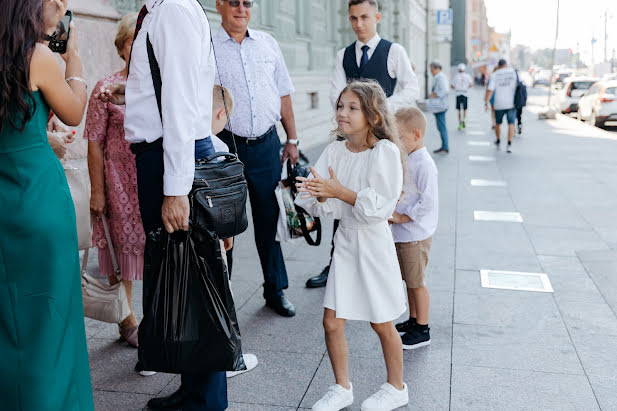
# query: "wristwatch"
[294,142]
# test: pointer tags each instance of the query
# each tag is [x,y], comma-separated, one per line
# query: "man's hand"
[228,243]
[399,218]
[486,106]
[175,213]
[433,95]
[112,93]
[290,152]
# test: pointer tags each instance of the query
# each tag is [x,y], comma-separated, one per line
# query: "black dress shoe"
[441,150]
[319,280]
[173,402]
[282,306]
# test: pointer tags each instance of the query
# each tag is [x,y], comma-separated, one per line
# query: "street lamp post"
[550,84]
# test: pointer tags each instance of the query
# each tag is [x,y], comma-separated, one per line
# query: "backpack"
[520,95]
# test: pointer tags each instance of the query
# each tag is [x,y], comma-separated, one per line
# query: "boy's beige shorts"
[413,258]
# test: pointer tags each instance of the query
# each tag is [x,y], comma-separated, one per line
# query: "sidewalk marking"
[476,133]
[484,159]
[506,216]
[478,182]
[479,143]
[516,280]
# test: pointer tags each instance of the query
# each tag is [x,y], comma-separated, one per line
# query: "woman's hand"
[111,93]
[97,204]
[53,11]
[57,143]
[72,46]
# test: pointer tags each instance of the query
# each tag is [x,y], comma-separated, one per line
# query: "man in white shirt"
[253,68]
[461,83]
[503,84]
[374,58]
[179,35]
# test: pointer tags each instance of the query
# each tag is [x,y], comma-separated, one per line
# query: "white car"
[599,104]
[567,98]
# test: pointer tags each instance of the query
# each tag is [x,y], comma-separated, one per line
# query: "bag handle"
[110,246]
[158,83]
[305,232]
[228,156]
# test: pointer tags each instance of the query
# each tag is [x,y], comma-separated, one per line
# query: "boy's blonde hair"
[412,118]
[217,99]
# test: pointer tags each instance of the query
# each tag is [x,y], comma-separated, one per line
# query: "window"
[303,17]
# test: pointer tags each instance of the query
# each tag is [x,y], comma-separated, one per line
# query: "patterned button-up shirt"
[257,76]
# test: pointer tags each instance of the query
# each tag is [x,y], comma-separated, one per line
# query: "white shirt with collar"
[256,73]
[420,199]
[399,67]
[180,35]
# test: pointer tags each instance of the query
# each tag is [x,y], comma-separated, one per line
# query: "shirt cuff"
[175,186]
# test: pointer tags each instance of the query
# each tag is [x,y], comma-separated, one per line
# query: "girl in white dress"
[359,181]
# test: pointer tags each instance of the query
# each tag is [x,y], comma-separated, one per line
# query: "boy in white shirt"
[413,225]
[461,83]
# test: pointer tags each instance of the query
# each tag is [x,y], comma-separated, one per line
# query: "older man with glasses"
[253,68]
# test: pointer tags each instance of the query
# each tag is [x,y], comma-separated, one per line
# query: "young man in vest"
[373,58]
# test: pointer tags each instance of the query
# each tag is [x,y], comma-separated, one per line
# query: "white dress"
[365,279]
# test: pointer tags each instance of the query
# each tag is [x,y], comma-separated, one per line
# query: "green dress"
[43,352]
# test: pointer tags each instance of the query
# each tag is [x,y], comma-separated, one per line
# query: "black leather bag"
[219,195]
[308,223]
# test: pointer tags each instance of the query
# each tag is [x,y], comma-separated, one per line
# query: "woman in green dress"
[43,352]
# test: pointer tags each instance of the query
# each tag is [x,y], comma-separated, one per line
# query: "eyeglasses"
[236,3]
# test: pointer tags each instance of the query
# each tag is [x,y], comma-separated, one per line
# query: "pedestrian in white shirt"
[179,34]
[253,68]
[503,84]
[373,58]
[413,225]
[461,83]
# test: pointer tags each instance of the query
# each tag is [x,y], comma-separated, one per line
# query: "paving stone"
[112,369]
[114,401]
[521,349]
[563,241]
[598,353]
[239,406]
[280,379]
[605,389]
[480,388]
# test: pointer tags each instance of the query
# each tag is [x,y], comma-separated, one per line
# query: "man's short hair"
[502,63]
[436,65]
[371,2]
[217,99]
[412,118]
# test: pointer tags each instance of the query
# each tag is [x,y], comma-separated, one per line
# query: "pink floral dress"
[105,125]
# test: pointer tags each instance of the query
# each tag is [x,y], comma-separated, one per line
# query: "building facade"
[309,32]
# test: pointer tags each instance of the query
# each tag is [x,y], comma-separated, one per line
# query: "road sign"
[444,17]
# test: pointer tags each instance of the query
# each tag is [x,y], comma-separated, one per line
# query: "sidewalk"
[491,348]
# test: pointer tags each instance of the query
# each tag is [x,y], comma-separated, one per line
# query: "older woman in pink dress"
[114,185]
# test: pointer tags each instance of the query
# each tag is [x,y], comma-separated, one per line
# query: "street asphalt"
[491,349]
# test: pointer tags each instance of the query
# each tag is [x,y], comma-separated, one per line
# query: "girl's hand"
[320,187]
[53,11]
[97,204]
[72,46]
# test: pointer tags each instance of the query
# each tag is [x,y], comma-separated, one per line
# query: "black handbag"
[293,172]
[219,193]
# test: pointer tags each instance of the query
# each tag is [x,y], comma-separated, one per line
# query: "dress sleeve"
[97,118]
[331,207]
[377,202]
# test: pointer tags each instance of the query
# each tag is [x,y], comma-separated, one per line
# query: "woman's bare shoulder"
[42,64]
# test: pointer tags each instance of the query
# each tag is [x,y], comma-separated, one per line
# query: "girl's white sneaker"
[386,399]
[337,398]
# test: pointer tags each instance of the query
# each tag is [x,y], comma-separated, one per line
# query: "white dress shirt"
[399,67]
[180,36]
[420,199]
[256,74]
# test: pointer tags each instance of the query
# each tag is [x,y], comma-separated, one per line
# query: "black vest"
[376,69]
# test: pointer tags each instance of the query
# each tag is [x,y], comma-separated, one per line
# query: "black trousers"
[263,171]
[205,392]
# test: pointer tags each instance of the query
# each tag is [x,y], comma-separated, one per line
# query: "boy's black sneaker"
[416,338]
[497,142]
[406,326]
[509,149]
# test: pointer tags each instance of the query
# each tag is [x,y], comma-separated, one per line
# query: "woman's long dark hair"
[21,28]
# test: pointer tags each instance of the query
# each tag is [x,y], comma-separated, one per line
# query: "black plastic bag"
[190,324]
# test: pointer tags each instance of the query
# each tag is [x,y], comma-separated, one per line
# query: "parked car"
[542,77]
[599,104]
[561,76]
[573,88]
